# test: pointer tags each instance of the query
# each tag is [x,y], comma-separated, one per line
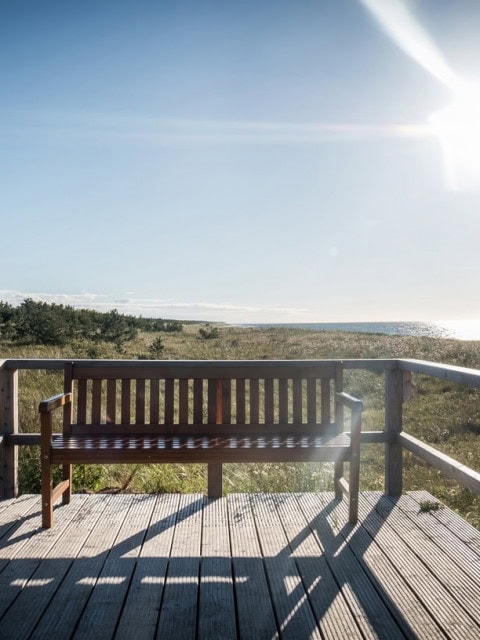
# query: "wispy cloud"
[161,307]
[164,131]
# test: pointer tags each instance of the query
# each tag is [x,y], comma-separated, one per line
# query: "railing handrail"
[397,372]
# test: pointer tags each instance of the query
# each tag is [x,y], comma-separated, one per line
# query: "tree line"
[43,323]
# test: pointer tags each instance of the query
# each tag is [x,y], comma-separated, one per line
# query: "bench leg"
[47,494]
[337,474]
[215,480]
[67,475]
[354,486]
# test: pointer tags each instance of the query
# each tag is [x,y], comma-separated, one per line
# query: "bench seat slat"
[241,448]
[200,429]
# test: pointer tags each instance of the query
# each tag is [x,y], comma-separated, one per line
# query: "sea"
[456,330]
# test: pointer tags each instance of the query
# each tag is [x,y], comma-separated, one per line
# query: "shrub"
[208,332]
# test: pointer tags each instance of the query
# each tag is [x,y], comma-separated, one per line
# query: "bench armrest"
[356,407]
[349,401]
[55,401]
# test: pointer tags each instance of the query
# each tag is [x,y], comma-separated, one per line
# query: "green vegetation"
[445,415]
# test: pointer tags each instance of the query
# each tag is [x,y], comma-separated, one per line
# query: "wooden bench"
[195,411]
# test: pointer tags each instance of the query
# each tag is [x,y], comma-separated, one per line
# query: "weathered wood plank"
[444,590]
[8,425]
[456,524]
[216,604]
[142,606]
[460,472]
[95,534]
[410,614]
[294,615]
[368,609]
[178,614]
[466,558]
[324,594]
[251,586]
[104,606]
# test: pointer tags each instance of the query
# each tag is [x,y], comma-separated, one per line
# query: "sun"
[458,130]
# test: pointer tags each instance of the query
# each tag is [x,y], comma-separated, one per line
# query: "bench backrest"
[192,396]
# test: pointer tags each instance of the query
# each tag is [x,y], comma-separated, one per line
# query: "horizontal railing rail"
[397,374]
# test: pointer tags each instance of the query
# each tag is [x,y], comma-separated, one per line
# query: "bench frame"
[204,404]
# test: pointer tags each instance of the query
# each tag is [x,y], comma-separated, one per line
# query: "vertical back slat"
[111,401]
[312,400]
[338,405]
[96,401]
[68,388]
[183,401]
[125,401]
[297,400]
[154,401]
[226,401]
[240,400]
[82,402]
[283,400]
[140,401]
[254,400]
[268,401]
[325,400]
[169,401]
[198,401]
[212,401]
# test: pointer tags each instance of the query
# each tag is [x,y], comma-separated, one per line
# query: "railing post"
[393,426]
[9,425]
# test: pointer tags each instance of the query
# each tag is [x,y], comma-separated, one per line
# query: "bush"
[208,332]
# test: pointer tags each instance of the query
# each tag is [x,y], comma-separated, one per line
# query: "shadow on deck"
[246,566]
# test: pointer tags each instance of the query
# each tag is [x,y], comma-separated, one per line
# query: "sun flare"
[458,130]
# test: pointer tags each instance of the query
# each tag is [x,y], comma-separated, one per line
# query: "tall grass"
[443,414]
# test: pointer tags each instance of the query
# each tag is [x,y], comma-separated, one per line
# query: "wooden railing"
[397,374]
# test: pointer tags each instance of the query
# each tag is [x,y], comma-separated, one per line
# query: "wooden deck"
[246,566]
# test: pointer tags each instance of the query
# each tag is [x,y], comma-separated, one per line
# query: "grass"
[445,415]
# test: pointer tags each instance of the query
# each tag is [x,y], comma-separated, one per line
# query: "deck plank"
[95,534]
[464,557]
[251,586]
[294,615]
[216,605]
[178,615]
[422,565]
[142,606]
[326,598]
[105,604]
[368,609]
[409,612]
[185,566]
[456,524]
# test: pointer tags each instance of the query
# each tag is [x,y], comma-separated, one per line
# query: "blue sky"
[239,161]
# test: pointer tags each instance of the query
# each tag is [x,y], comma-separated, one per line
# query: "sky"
[254,161]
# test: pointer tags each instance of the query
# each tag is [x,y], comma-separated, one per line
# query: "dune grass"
[445,415]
